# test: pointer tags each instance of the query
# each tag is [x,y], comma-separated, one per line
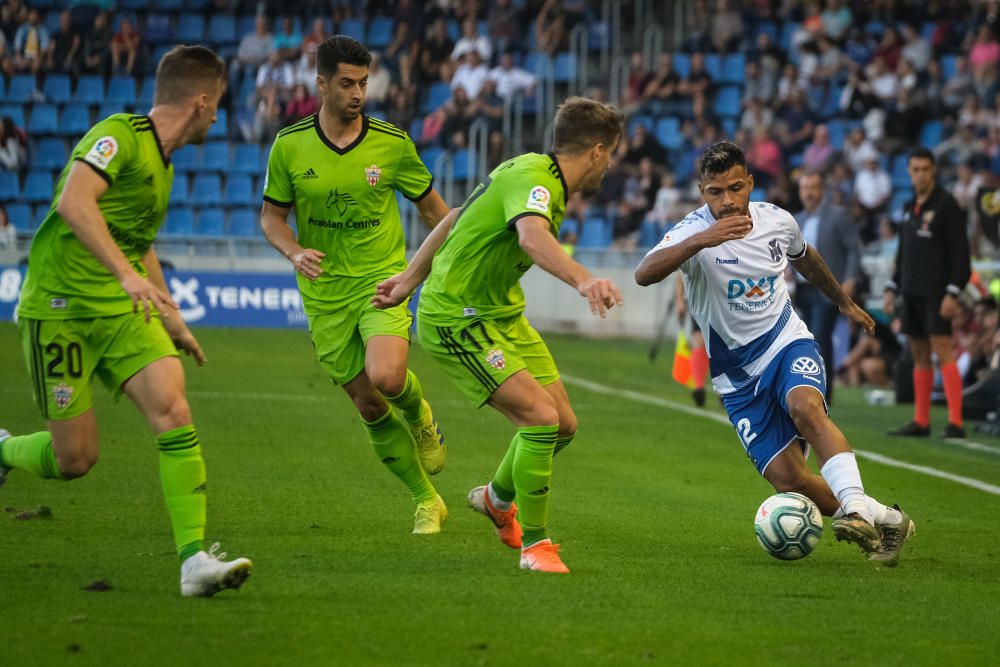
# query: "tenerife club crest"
[775,250]
[373,173]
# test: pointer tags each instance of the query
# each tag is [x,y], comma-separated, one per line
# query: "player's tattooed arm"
[814,269]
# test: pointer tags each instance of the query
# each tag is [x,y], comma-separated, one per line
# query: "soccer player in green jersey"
[471,312]
[94,302]
[340,169]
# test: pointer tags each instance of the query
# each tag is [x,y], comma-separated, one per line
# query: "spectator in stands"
[457,116]
[933,90]
[764,157]
[471,40]
[257,46]
[125,48]
[471,74]
[301,105]
[837,20]
[959,86]
[12,15]
[305,70]
[820,153]
[405,44]
[795,123]
[288,40]
[697,27]
[642,145]
[13,145]
[638,79]
[872,188]
[881,76]
[702,113]
[6,62]
[903,122]
[275,76]
[916,50]
[830,61]
[504,20]
[756,115]
[379,81]
[8,234]
[788,83]
[965,190]
[63,47]
[984,57]
[858,150]
[662,95]
[488,105]
[727,27]
[770,58]
[959,148]
[858,47]
[756,84]
[550,28]
[97,46]
[315,37]
[889,49]
[511,80]
[697,83]
[30,44]
[435,55]
[668,197]
[569,231]
[267,120]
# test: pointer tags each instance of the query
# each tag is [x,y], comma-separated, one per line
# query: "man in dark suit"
[826,227]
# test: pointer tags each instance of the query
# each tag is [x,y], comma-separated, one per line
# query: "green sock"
[532,474]
[503,479]
[562,442]
[182,473]
[32,453]
[394,446]
[410,401]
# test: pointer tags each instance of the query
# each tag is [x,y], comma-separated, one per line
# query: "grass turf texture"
[654,509]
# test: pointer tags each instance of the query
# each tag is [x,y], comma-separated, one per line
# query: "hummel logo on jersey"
[775,250]
[310,173]
[724,260]
[340,200]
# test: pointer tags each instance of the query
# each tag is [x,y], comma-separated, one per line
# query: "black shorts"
[921,317]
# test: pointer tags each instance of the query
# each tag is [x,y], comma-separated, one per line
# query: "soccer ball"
[788,526]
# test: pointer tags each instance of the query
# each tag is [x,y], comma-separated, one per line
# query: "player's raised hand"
[730,228]
[147,296]
[857,314]
[391,292]
[308,262]
[184,339]
[602,294]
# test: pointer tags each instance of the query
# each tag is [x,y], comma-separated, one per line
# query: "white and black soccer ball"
[788,526]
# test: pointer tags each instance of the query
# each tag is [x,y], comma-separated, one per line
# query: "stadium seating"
[190,28]
[246,160]
[243,222]
[207,190]
[211,222]
[50,154]
[57,89]
[353,28]
[22,89]
[10,189]
[239,191]
[220,129]
[222,29]
[564,67]
[90,90]
[596,233]
[380,32]
[19,215]
[727,101]
[180,222]
[38,186]
[15,113]
[214,157]
[179,193]
[121,90]
[668,133]
[44,120]
[900,177]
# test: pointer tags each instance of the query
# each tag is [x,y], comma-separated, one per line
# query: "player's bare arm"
[78,207]
[395,290]
[432,209]
[658,265]
[536,239]
[814,269]
[176,328]
[274,222]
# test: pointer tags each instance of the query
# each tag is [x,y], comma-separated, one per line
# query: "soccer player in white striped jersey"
[763,360]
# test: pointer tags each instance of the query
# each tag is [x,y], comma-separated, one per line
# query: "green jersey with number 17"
[345,205]
[477,271]
[65,280]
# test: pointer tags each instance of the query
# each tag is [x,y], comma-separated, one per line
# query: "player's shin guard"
[32,453]
[182,473]
[393,444]
[842,474]
[532,475]
[409,401]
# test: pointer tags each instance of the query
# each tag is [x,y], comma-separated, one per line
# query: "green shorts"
[63,356]
[340,338]
[479,355]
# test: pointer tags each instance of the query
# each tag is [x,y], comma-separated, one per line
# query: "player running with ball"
[471,313]
[763,360]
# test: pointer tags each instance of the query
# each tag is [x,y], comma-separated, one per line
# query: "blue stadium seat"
[598,35]
[169,5]
[243,222]
[758,194]
[19,215]
[646,121]
[380,32]
[190,28]
[900,177]
[44,119]
[438,93]
[222,29]
[682,64]
[214,156]
[146,93]
[564,67]
[180,222]
[22,89]
[932,133]
[733,68]
[90,90]
[948,66]
[838,133]
[38,186]
[39,212]
[206,190]
[454,31]
[713,65]
[668,133]
[768,27]
[460,164]
[180,194]
[416,129]
[650,233]
[10,189]
[239,191]
[596,234]
[16,113]
[121,91]
[787,30]
[246,24]
[353,28]
[727,101]
[212,222]
[430,156]
[220,129]
[729,126]
[57,89]
[899,199]
[51,19]
[158,29]
[246,160]
[106,110]
[537,63]
[50,154]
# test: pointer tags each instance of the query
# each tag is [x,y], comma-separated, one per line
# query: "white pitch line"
[974,446]
[687,409]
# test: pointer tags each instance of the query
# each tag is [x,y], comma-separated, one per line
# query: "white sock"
[497,501]
[883,514]
[842,474]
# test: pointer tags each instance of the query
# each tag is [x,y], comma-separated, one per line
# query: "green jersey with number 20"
[65,280]
[477,271]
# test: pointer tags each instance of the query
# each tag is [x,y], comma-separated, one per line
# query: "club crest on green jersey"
[63,393]
[496,359]
[373,173]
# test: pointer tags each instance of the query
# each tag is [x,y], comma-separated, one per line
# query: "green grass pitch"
[654,508]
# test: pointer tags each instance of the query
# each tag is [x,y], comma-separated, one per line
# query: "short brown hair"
[582,123]
[185,71]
